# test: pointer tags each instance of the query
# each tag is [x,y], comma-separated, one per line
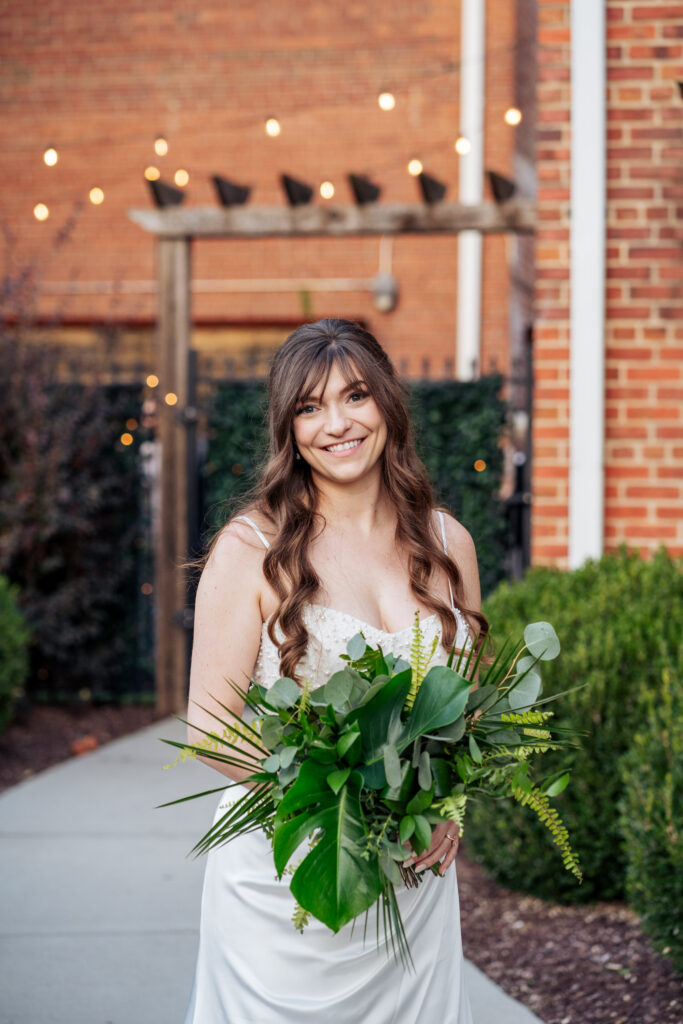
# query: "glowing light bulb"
[152,173]
[415,167]
[480,465]
[152,380]
[273,127]
[462,146]
[126,439]
[40,211]
[131,424]
[327,190]
[160,146]
[181,177]
[386,100]
[147,588]
[170,398]
[96,196]
[51,156]
[513,116]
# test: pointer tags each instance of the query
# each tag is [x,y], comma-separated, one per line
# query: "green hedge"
[620,622]
[14,638]
[456,424]
[72,530]
[652,819]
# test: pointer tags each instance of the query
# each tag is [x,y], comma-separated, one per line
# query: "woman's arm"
[227,634]
[461,549]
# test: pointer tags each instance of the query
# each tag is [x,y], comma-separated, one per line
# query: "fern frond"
[419,660]
[548,816]
[526,717]
[300,917]
[453,808]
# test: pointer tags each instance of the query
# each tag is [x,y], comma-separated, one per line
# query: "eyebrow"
[352,386]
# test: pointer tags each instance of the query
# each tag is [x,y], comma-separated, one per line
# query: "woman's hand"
[444,847]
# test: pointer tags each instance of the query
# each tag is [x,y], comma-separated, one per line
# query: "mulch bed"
[569,965]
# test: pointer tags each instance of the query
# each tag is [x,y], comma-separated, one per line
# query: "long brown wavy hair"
[286,495]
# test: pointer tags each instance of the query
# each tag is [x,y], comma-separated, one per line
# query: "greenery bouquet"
[351,772]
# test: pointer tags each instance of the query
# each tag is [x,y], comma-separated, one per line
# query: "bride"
[339,537]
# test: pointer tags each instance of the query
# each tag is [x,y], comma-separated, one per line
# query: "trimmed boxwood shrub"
[652,819]
[14,638]
[620,622]
[456,424]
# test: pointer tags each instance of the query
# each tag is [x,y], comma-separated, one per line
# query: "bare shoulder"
[463,552]
[238,532]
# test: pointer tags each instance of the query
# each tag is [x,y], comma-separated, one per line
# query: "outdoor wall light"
[432,190]
[385,291]
[230,194]
[502,188]
[364,191]
[298,192]
[164,194]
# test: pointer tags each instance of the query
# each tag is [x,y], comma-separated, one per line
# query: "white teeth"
[342,447]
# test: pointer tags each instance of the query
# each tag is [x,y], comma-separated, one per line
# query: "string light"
[126,439]
[40,211]
[147,588]
[327,190]
[51,156]
[386,100]
[96,196]
[273,127]
[415,167]
[181,177]
[160,146]
[152,380]
[462,146]
[480,465]
[152,173]
[131,424]
[513,116]
[170,398]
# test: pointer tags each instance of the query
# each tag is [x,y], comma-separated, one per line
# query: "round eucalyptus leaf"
[356,647]
[284,693]
[541,640]
[338,688]
[525,692]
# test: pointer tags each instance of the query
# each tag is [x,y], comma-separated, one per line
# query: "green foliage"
[652,818]
[70,524]
[621,623]
[14,638]
[456,423]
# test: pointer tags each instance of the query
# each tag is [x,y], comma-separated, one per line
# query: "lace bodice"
[329,632]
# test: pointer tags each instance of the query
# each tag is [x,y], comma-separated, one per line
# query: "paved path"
[100,905]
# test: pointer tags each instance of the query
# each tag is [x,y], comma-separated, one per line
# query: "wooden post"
[171,625]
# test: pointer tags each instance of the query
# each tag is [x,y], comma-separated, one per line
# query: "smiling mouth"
[344,446]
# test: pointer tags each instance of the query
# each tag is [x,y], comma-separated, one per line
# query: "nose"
[336,423]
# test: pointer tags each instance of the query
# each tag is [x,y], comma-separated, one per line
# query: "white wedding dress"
[254,967]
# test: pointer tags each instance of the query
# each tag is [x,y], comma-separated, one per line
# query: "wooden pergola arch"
[176,229]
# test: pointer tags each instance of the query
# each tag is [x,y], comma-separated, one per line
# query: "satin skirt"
[254,967]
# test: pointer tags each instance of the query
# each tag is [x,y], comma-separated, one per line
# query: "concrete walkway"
[100,906]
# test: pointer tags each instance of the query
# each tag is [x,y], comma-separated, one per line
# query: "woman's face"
[340,432]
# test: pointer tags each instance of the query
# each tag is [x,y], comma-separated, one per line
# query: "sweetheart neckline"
[362,622]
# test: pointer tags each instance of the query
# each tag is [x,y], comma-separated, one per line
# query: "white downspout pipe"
[472,63]
[587,281]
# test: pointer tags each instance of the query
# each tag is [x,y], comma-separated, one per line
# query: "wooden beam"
[171,629]
[516,215]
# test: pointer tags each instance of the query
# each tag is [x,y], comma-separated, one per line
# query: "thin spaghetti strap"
[256,530]
[445,548]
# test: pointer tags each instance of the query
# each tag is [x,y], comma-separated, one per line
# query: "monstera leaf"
[334,882]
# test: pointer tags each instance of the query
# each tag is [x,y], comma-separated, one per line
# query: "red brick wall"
[644,299]
[100,81]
